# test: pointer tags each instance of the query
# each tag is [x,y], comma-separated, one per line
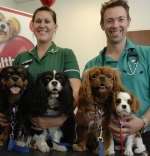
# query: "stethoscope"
[132,61]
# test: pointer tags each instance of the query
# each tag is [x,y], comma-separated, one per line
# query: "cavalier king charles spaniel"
[15,82]
[51,96]
[126,104]
[96,97]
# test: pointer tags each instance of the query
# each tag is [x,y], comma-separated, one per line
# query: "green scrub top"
[56,58]
[135,75]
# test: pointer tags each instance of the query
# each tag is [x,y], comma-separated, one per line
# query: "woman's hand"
[118,130]
[48,122]
[3,120]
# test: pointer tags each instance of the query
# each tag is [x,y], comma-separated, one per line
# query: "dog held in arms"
[51,96]
[14,84]
[126,104]
[96,97]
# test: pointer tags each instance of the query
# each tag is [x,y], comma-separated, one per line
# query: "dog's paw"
[79,148]
[110,151]
[128,152]
[140,149]
[20,143]
[42,146]
[144,154]
[58,147]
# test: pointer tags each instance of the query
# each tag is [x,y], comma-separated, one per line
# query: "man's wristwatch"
[146,121]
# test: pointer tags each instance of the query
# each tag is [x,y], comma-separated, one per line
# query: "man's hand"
[130,125]
[134,124]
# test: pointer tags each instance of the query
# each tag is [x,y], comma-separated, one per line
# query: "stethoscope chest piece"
[132,61]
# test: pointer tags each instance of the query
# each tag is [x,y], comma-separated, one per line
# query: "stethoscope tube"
[132,57]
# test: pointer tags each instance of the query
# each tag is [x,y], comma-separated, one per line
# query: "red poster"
[15,34]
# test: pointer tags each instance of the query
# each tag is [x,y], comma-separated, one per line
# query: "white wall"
[78,23]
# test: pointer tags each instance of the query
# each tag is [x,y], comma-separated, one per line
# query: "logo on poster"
[11,43]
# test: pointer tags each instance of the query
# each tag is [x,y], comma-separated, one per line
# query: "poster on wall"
[15,34]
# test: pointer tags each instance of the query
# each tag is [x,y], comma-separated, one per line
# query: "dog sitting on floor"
[125,105]
[14,83]
[96,97]
[51,96]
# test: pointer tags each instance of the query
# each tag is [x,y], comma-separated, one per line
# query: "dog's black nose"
[54,83]
[124,106]
[2,26]
[15,78]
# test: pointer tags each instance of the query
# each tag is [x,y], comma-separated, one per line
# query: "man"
[130,59]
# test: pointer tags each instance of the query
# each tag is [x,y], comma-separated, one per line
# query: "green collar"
[129,45]
[52,49]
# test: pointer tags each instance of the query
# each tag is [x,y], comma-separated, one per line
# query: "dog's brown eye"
[22,75]
[59,77]
[94,76]
[129,101]
[47,79]
[118,101]
[109,76]
[9,74]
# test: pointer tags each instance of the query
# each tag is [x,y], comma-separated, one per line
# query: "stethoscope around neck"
[132,61]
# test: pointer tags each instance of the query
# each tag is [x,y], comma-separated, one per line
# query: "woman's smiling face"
[43,26]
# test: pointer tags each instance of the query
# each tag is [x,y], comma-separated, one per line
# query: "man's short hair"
[111,4]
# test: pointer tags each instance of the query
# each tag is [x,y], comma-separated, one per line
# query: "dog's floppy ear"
[117,81]
[114,99]
[135,104]
[2,73]
[85,93]
[40,88]
[66,97]
[39,95]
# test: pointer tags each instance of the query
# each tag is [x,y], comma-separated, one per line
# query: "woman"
[48,56]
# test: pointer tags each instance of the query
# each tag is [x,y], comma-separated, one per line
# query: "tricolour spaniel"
[96,97]
[126,104]
[15,82]
[51,96]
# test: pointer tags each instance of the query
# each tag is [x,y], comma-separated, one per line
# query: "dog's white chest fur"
[53,102]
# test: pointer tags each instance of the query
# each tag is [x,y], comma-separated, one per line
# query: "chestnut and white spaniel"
[99,87]
[126,104]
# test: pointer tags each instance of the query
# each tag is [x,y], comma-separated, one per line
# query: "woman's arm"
[48,122]
[75,85]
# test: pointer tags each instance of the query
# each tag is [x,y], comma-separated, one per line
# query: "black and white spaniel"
[51,97]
